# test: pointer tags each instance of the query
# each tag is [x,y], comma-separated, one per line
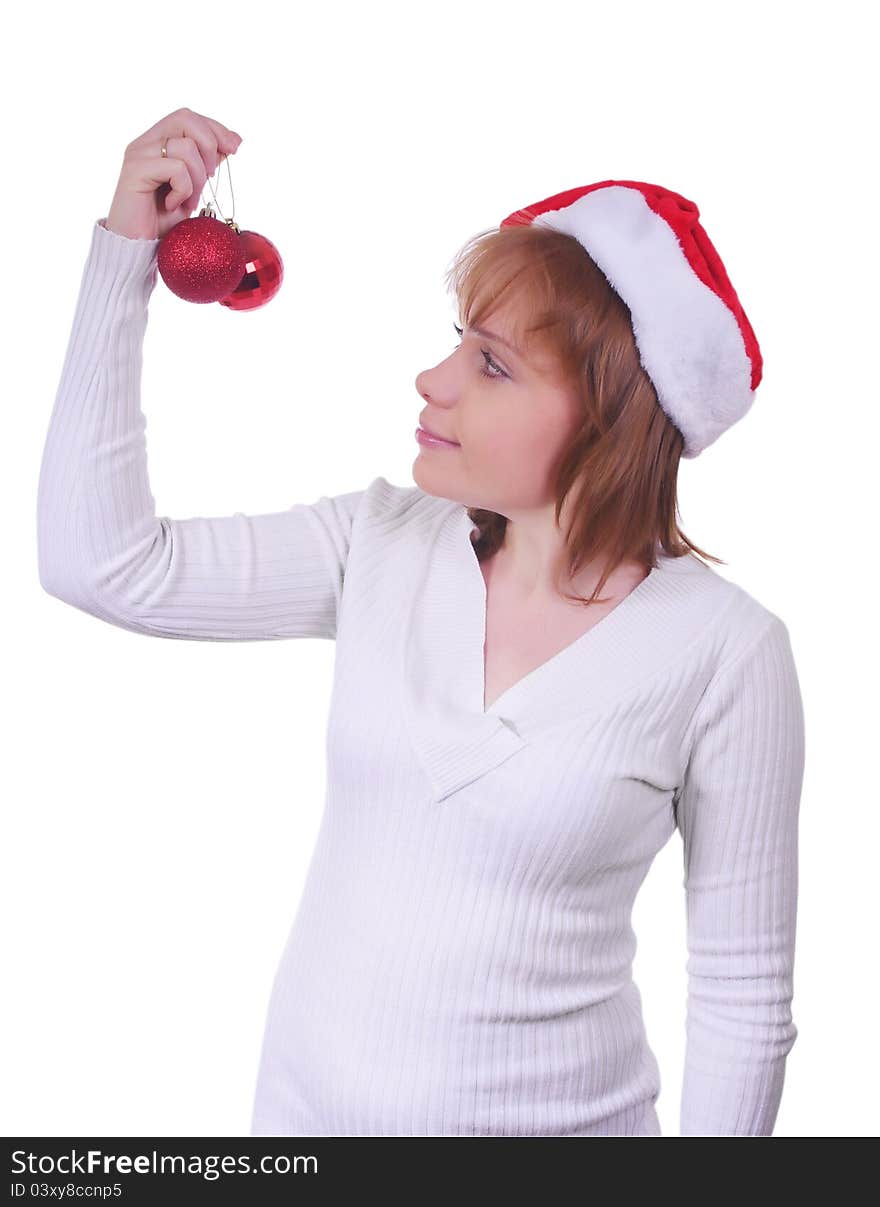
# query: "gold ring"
[164,152]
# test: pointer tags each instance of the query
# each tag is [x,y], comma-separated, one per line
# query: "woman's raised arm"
[102,547]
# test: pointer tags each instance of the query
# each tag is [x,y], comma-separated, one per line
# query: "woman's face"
[511,419]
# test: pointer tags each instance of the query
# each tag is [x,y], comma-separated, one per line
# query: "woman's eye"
[490,363]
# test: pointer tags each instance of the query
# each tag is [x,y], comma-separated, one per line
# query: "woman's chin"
[428,480]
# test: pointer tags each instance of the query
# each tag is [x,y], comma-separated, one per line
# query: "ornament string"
[232,194]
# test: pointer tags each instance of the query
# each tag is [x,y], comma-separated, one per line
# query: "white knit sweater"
[461,961]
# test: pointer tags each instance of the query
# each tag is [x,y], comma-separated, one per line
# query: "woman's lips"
[430,440]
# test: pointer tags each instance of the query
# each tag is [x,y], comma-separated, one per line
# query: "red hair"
[621,465]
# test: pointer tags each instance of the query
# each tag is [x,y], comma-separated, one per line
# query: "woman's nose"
[431,380]
[425,381]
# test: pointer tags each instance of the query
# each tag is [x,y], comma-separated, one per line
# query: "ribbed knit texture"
[461,960]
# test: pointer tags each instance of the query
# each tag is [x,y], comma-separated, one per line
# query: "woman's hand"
[154,193]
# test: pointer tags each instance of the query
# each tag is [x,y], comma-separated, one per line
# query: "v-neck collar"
[457,739]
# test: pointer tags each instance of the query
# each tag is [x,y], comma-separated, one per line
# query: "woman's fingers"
[156,191]
[211,138]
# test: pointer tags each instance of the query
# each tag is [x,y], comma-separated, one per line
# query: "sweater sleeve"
[101,547]
[737,811]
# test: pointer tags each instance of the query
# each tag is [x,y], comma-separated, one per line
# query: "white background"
[161,798]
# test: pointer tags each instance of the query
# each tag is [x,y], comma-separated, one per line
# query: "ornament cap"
[208,211]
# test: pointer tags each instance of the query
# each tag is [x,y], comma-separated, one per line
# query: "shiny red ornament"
[264,272]
[201,259]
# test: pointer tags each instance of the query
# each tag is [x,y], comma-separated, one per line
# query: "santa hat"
[694,340]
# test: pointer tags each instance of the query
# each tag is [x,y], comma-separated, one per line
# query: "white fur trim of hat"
[694,340]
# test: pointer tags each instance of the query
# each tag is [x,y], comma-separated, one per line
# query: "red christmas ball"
[263,273]
[201,259]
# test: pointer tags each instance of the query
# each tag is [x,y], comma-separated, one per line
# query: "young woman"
[536,680]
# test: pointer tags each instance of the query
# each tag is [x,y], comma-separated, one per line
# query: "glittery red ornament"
[264,272]
[201,259]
